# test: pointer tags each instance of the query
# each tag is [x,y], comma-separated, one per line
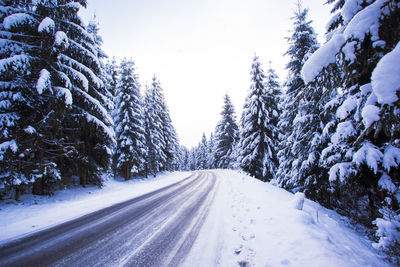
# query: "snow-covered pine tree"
[34,40]
[210,152]
[184,159]
[171,148]
[364,150]
[193,159]
[155,141]
[112,78]
[17,113]
[88,126]
[131,149]
[259,133]
[302,43]
[226,135]
[202,153]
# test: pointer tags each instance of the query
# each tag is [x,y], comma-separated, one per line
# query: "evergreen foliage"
[259,133]
[226,135]
[302,43]
[131,151]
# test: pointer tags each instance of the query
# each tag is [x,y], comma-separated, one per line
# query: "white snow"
[8,145]
[343,130]
[321,58]
[44,81]
[261,227]
[298,201]
[16,61]
[386,77]
[347,107]
[366,21]
[343,170]
[249,222]
[61,39]
[16,19]
[370,114]
[350,8]
[386,183]
[368,154]
[65,93]
[47,25]
[38,212]
[391,157]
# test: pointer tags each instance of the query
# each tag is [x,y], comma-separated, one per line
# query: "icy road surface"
[208,218]
[156,229]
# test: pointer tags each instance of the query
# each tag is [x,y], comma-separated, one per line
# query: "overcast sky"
[200,49]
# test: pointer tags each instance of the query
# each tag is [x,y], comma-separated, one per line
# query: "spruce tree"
[226,135]
[130,153]
[363,154]
[259,133]
[210,152]
[302,43]
[202,153]
[155,141]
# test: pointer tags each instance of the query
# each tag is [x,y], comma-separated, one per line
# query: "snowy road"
[155,229]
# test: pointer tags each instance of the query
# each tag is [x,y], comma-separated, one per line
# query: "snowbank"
[262,226]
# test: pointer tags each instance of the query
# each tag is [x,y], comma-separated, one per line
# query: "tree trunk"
[83,178]
[17,193]
[127,172]
[37,188]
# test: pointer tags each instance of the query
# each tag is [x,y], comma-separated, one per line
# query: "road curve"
[155,229]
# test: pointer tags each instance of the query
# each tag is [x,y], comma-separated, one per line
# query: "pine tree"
[259,133]
[89,124]
[302,43]
[202,153]
[363,153]
[210,152]
[36,45]
[130,153]
[156,158]
[226,135]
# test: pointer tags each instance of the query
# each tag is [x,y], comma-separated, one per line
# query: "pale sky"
[200,49]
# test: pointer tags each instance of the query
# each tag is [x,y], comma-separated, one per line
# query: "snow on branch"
[44,81]
[17,61]
[12,145]
[368,154]
[47,25]
[391,157]
[107,130]
[321,58]
[65,93]
[96,103]
[386,77]
[75,64]
[17,19]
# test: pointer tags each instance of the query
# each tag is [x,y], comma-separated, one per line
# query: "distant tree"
[202,151]
[156,157]
[226,135]
[210,152]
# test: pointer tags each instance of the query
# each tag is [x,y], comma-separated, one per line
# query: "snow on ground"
[263,226]
[250,223]
[37,212]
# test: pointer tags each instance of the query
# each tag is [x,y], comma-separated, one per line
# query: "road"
[155,229]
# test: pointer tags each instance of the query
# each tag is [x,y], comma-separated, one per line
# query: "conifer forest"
[71,115]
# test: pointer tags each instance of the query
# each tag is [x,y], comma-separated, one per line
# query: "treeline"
[65,115]
[335,134]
